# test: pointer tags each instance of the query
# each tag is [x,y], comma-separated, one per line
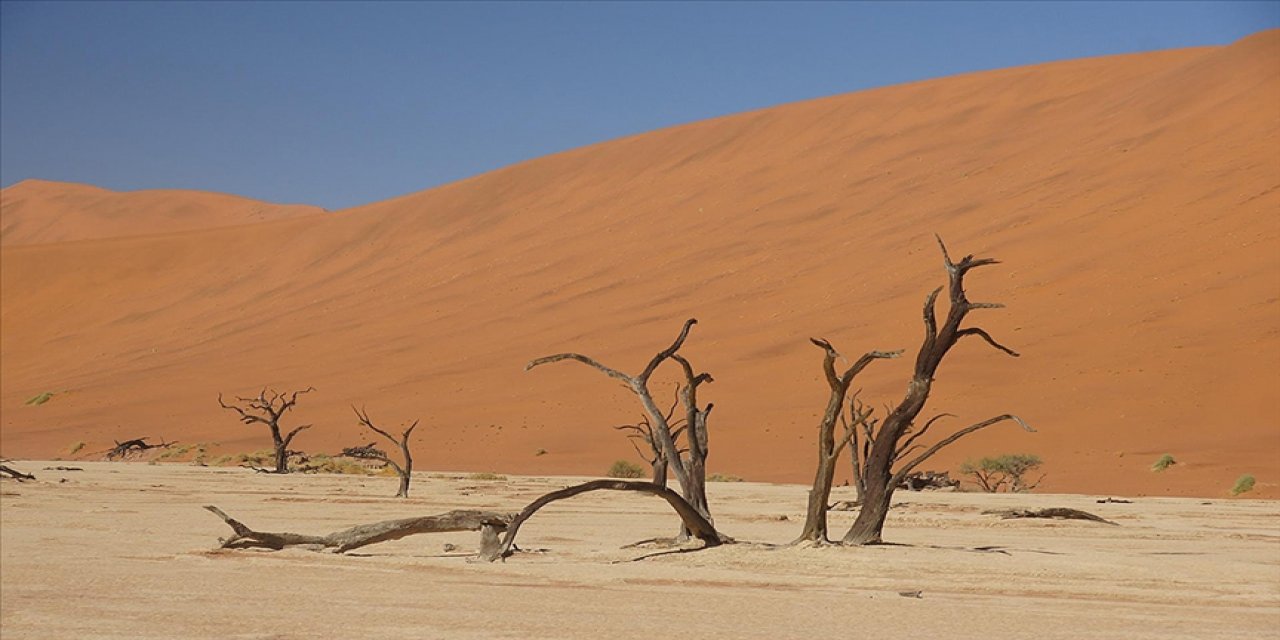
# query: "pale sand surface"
[1133,200]
[124,551]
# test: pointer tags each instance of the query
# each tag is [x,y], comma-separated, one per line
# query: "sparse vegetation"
[486,475]
[37,400]
[1244,484]
[1005,471]
[725,477]
[625,469]
[75,447]
[1163,463]
[540,452]
[321,463]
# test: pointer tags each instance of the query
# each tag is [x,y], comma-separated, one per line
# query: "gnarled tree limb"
[361,535]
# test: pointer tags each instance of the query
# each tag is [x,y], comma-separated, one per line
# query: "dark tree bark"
[9,472]
[487,522]
[642,431]
[131,447]
[697,524]
[815,522]
[888,447]
[693,489]
[405,471]
[1060,513]
[268,408]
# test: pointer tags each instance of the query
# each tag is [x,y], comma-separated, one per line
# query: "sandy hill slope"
[40,211]
[1132,200]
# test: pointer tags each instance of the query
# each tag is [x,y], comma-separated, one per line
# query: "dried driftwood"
[9,472]
[489,523]
[1061,513]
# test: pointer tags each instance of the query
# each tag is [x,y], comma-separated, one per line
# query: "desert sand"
[1132,200]
[124,550]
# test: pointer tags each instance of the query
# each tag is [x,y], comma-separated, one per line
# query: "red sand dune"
[1132,199]
[39,211]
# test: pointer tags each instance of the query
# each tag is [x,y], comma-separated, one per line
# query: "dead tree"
[888,446]
[815,522]
[642,431]
[697,524]
[487,522]
[268,408]
[692,489]
[9,472]
[370,453]
[130,447]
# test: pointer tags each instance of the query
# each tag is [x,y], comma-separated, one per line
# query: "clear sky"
[339,104]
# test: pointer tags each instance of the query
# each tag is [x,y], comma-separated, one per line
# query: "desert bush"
[1244,484]
[1163,463]
[1005,471]
[625,469]
[724,477]
[540,452]
[321,463]
[486,475]
[37,400]
[175,452]
[75,448]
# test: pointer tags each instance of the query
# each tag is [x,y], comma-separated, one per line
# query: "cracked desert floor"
[124,550]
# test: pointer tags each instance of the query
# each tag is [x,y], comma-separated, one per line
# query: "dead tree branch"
[487,522]
[129,448]
[403,471]
[693,489]
[698,525]
[889,447]
[815,524]
[1061,513]
[9,472]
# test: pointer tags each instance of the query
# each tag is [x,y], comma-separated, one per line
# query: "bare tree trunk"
[361,535]
[405,471]
[693,488]
[880,480]
[815,521]
[693,520]
[268,408]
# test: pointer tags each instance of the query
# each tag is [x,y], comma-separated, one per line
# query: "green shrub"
[1004,471]
[724,477]
[1244,484]
[1163,463]
[486,475]
[625,469]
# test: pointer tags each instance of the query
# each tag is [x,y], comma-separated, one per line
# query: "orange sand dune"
[1132,199]
[39,211]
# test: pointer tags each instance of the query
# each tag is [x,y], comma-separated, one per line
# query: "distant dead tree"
[268,408]
[370,453]
[131,447]
[888,447]
[815,522]
[690,469]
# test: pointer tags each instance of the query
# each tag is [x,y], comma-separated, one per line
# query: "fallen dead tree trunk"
[697,524]
[1061,513]
[489,523]
[10,472]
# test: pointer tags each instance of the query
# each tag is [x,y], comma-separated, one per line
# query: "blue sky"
[340,104]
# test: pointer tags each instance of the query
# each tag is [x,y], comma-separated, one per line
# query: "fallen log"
[488,523]
[1061,513]
[10,472]
[697,525]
